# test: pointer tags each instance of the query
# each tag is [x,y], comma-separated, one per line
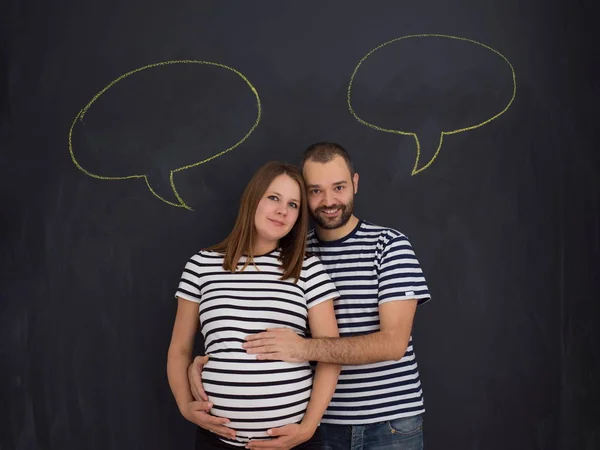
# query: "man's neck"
[337,233]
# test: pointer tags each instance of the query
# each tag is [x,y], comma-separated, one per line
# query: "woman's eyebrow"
[278,194]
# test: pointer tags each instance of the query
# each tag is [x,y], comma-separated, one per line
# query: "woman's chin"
[274,238]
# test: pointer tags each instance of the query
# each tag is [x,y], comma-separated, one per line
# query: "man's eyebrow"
[337,183]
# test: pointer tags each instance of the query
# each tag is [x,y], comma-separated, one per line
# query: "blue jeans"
[398,434]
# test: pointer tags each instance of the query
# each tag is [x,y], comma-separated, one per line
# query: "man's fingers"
[197,393]
[266,350]
[261,343]
[195,377]
[201,392]
[270,356]
[268,334]
[258,336]
[251,343]
[202,359]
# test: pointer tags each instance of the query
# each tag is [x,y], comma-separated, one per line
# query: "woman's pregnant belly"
[257,395]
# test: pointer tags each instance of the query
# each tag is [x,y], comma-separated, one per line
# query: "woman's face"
[277,211]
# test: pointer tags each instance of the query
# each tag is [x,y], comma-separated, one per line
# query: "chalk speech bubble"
[416,169]
[181,204]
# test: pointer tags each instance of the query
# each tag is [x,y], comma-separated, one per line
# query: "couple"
[256,388]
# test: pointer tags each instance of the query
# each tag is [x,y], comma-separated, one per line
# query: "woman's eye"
[293,205]
[273,197]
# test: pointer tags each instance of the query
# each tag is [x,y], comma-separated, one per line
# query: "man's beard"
[337,222]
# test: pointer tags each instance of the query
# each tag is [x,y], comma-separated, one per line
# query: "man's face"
[330,192]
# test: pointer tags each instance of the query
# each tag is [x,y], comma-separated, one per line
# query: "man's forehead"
[329,172]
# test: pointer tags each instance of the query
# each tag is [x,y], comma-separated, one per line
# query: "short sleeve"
[318,286]
[189,286]
[400,274]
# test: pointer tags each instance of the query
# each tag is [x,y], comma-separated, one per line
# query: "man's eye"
[339,188]
[315,191]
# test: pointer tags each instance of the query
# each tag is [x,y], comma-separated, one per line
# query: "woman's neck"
[264,247]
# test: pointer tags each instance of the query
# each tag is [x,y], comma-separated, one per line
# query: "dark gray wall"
[505,221]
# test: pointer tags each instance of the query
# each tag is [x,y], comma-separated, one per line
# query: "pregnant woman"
[257,278]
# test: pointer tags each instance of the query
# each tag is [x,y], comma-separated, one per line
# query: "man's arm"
[387,344]
[195,379]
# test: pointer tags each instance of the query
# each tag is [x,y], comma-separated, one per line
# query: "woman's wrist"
[184,406]
[307,429]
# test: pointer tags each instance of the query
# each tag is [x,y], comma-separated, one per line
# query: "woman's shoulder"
[208,253]
[205,256]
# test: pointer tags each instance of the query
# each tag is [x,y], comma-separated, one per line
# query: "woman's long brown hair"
[241,239]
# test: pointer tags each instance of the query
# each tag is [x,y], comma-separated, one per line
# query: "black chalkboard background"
[505,221]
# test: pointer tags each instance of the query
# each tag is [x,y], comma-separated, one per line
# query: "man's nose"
[329,200]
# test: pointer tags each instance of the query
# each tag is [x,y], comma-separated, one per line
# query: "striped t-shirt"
[255,395]
[371,266]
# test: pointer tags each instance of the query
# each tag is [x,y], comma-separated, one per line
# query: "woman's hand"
[285,437]
[198,413]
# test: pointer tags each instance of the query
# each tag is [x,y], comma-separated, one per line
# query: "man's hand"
[195,378]
[281,344]
[197,412]
[286,437]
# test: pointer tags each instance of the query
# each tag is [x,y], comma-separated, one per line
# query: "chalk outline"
[408,133]
[181,203]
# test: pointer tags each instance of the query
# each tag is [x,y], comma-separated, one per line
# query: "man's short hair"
[323,152]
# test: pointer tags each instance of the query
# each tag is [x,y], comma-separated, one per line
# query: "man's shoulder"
[369,230]
[309,261]
[365,232]
[312,241]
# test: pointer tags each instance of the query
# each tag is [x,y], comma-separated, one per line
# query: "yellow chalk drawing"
[415,169]
[181,203]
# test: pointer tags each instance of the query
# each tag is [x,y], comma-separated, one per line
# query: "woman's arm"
[321,319]
[178,360]
[180,351]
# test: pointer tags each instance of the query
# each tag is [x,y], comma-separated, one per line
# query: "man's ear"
[355,183]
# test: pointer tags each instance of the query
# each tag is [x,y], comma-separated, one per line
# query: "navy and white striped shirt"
[255,395]
[371,266]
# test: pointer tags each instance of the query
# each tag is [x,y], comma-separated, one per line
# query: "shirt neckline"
[340,240]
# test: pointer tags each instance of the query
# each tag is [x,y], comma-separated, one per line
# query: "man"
[378,403]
